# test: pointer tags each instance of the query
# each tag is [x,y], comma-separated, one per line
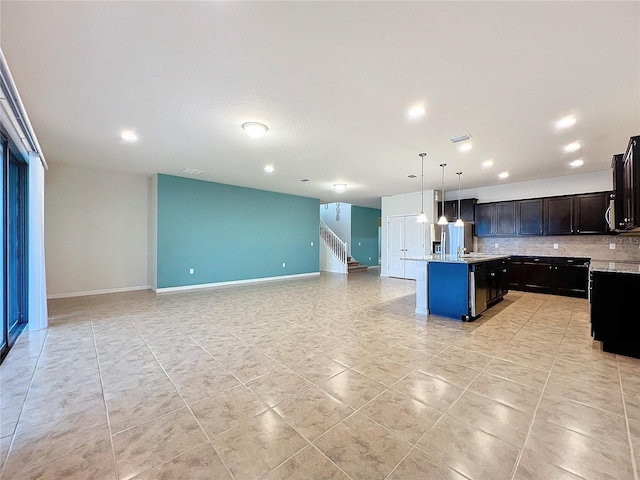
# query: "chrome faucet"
[461,251]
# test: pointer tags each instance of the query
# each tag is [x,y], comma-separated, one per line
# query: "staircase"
[341,262]
[354,266]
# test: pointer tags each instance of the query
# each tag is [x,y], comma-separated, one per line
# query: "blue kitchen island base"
[449,290]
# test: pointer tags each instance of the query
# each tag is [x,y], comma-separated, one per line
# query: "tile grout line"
[634,465]
[104,399]
[535,412]
[187,406]
[14,434]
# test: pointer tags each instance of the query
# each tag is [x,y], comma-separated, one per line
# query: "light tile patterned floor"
[326,377]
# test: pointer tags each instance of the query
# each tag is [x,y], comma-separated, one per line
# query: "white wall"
[341,227]
[329,262]
[152,229]
[95,231]
[404,204]
[548,187]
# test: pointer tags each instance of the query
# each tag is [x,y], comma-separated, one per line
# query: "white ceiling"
[333,81]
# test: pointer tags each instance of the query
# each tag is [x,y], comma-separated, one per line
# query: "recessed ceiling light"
[254,129]
[411,176]
[576,163]
[566,122]
[305,180]
[269,168]
[416,112]
[339,187]
[129,135]
[487,164]
[572,147]
[465,147]
[503,175]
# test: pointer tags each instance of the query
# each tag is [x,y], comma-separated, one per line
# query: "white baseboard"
[234,282]
[97,292]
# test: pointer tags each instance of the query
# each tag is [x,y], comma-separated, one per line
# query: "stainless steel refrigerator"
[453,237]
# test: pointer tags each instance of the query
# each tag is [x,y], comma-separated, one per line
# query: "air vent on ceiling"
[460,138]
[304,180]
[192,171]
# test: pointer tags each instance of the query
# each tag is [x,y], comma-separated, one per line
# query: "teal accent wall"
[228,233]
[364,231]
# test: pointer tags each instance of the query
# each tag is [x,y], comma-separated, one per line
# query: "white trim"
[97,292]
[235,282]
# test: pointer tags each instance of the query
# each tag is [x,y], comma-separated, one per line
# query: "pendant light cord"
[422,155]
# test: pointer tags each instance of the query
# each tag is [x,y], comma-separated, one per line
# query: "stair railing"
[337,246]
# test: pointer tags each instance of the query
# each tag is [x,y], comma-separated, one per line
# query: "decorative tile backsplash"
[597,247]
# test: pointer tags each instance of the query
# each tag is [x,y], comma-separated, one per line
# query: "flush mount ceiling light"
[192,171]
[459,222]
[416,112]
[487,164]
[129,135]
[422,218]
[576,163]
[465,147]
[254,129]
[460,138]
[503,175]
[566,122]
[339,187]
[443,219]
[572,147]
[269,168]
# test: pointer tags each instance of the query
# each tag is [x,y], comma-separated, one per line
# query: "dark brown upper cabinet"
[565,215]
[467,209]
[506,218]
[590,211]
[495,219]
[485,219]
[529,217]
[631,185]
[558,215]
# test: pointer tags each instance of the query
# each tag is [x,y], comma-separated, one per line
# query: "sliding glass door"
[14,246]
[4,334]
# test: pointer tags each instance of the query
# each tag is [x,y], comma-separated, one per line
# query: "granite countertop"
[468,258]
[615,267]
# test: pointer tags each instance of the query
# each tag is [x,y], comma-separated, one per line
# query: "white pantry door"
[395,250]
[414,238]
[406,238]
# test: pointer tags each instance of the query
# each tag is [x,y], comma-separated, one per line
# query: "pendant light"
[422,218]
[443,219]
[459,222]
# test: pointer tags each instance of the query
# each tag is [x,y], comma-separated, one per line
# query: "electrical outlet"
[312,244]
[555,246]
[359,244]
[612,246]
[495,245]
[284,264]
[191,271]
[369,258]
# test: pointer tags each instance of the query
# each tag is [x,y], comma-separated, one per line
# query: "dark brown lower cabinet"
[497,280]
[553,275]
[614,313]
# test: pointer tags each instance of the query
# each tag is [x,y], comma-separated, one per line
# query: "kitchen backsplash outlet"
[596,247]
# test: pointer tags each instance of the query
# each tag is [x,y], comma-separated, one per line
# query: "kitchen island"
[614,316]
[460,287]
